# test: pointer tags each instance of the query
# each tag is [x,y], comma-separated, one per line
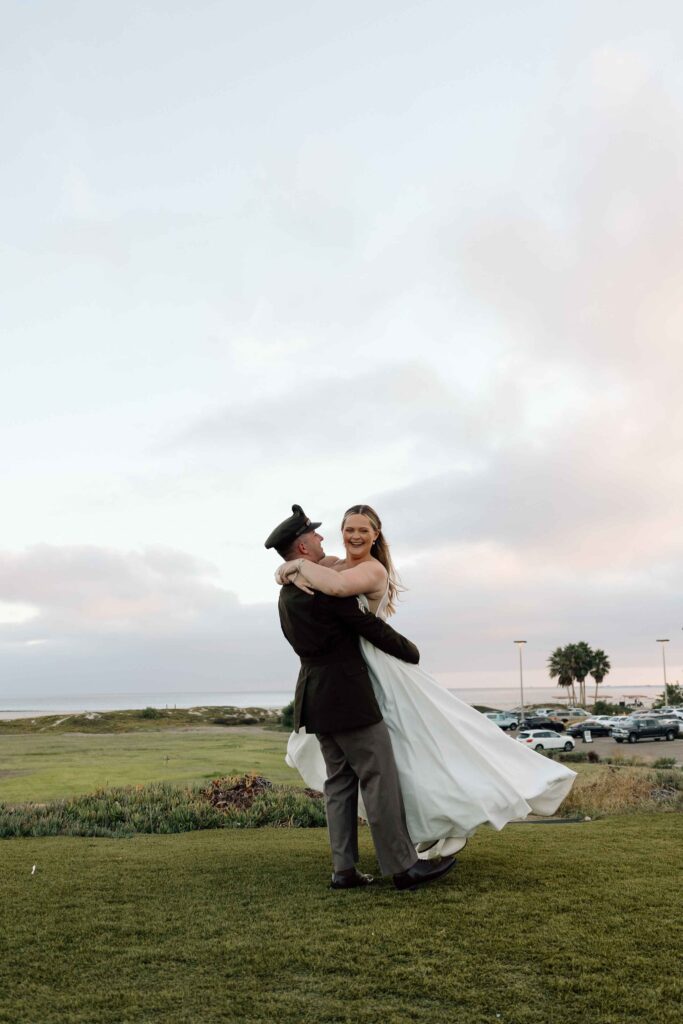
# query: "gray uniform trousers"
[365,756]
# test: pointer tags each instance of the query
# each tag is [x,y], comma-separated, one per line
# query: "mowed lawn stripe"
[39,767]
[536,924]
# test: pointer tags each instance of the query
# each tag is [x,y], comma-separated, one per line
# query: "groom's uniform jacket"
[333,691]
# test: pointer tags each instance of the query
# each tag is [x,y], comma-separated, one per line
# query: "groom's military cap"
[288,531]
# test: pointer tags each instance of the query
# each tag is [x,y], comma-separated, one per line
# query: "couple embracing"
[430,769]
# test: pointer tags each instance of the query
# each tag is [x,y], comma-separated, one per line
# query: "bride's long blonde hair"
[380,551]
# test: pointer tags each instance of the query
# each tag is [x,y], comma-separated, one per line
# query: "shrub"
[287,716]
[672,697]
[671,781]
[603,707]
[236,790]
[572,756]
[664,762]
[150,713]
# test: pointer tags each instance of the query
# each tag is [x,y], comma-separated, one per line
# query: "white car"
[670,715]
[502,718]
[545,739]
[674,720]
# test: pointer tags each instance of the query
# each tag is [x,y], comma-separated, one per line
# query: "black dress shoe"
[351,879]
[423,872]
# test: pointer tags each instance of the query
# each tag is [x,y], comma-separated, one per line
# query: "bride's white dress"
[458,769]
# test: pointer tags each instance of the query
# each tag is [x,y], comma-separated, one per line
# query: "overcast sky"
[423,255]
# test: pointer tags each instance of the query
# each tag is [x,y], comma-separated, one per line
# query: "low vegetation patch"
[142,719]
[236,802]
[613,789]
[252,801]
[592,757]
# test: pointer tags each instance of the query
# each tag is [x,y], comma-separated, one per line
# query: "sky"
[425,256]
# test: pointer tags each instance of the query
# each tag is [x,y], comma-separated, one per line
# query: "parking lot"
[644,750]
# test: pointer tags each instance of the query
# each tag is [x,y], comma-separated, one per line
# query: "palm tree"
[559,666]
[600,667]
[581,660]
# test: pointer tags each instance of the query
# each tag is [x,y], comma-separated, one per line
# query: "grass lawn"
[42,766]
[538,924]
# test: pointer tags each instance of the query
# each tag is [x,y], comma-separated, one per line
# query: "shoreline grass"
[141,720]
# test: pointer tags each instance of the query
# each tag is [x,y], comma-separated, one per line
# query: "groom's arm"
[375,630]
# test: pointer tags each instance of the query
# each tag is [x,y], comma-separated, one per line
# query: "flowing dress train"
[458,770]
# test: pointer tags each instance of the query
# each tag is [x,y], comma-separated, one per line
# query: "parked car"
[635,729]
[502,718]
[591,725]
[544,739]
[669,716]
[534,722]
[674,721]
[569,715]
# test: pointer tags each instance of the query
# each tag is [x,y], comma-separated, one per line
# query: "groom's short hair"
[290,552]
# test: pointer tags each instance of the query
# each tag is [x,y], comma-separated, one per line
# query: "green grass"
[558,924]
[47,766]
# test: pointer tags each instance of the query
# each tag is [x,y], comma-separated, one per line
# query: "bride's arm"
[366,578]
[288,572]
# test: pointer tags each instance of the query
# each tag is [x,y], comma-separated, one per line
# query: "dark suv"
[536,722]
[635,729]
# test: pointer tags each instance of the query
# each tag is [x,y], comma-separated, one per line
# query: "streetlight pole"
[666,691]
[520,644]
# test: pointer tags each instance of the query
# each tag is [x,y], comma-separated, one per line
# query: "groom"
[335,700]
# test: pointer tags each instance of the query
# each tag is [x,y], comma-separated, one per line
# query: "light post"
[666,691]
[520,644]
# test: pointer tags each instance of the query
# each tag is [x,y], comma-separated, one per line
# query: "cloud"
[119,620]
[571,502]
[590,283]
[466,604]
[388,402]
[579,425]
[81,590]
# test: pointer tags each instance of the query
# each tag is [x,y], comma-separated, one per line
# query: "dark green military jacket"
[333,691]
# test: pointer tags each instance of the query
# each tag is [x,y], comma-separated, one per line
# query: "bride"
[457,769]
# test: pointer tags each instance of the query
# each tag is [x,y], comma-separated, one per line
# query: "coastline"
[503,698]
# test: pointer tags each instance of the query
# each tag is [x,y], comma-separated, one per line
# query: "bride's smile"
[359,536]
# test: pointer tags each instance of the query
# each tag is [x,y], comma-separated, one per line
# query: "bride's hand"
[285,570]
[291,572]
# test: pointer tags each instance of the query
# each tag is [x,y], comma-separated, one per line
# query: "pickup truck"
[635,729]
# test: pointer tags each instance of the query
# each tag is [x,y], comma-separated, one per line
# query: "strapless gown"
[458,770]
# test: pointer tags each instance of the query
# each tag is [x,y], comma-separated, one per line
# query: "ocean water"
[501,697]
[16,707]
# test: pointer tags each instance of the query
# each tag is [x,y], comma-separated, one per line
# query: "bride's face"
[358,533]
